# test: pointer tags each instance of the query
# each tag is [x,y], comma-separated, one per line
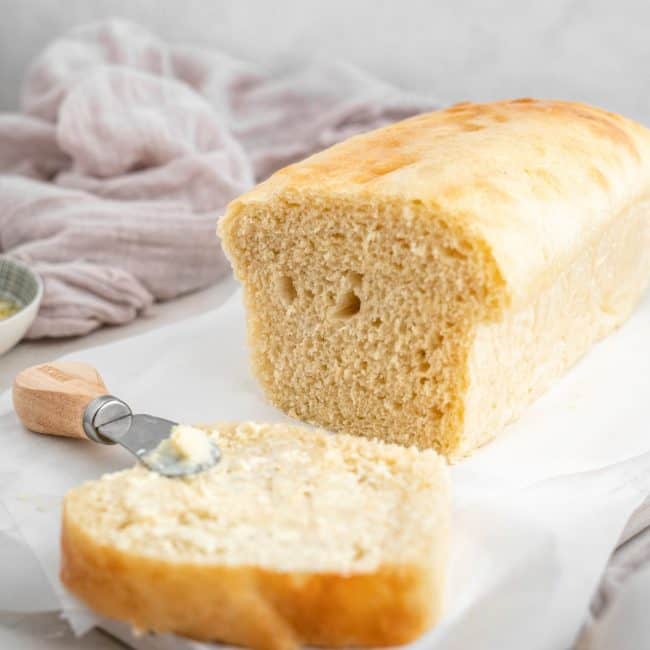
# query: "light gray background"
[597,51]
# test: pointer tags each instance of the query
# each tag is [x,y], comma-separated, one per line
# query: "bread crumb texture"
[296,536]
[423,282]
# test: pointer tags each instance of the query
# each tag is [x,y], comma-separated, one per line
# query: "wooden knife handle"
[51,398]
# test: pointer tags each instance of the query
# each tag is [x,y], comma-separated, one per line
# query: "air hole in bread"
[287,290]
[348,306]
[454,252]
[355,279]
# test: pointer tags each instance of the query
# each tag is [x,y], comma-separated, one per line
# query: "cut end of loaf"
[296,536]
[359,312]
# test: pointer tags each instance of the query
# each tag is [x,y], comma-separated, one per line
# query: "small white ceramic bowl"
[24,287]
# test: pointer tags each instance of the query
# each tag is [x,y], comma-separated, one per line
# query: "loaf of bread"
[423,282]
[296,536]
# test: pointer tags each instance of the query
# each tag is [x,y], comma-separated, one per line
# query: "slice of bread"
[296,536]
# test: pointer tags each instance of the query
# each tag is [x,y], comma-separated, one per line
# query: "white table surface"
[48,632]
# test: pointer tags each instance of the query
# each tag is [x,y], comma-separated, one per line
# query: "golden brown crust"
[440,138]
[252,606]
[532,179]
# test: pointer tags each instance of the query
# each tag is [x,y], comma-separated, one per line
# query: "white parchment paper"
[536,513]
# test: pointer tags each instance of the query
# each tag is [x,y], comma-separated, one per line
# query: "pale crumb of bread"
[345,327]
[341,532]
[295,503]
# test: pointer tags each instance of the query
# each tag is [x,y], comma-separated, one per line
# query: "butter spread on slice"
[185,444]
[191,444]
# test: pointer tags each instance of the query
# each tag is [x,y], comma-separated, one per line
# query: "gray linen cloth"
[127,149]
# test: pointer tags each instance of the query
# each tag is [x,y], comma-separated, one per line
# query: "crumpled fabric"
[127,150]
[628,560]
